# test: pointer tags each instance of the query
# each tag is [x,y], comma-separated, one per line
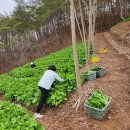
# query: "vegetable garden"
[20,84]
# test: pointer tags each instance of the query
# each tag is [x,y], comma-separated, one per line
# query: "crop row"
[14,117]
[21,83]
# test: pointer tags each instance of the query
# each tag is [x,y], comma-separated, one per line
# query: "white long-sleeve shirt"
[48,78]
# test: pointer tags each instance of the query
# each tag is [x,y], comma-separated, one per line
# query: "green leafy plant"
[96,68]
[84,74]
[127,19]
[21,83]
[88,72]
[98,99]
[14,117]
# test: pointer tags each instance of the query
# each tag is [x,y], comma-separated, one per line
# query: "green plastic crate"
[96,112]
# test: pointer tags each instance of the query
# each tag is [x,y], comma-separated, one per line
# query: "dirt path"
[120,48]
[115,83]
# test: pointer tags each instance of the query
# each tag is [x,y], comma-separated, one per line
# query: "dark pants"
[44,94]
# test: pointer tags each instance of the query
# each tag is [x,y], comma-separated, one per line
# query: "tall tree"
[75,53]
[83,29]
[91,8]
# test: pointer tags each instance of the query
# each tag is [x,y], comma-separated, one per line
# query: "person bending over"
[32,65]
[45,84]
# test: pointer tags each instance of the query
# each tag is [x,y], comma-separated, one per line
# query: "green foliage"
[21,83]
[88,72]
[5,23]
[127,19]
[14,117]
[96,68]
[57,95]
[32,14]
[22,19]
[51,6]
[98,99]
[22,72]
[22,89]
[83,75]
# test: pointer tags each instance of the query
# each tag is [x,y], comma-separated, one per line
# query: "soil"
[115,83]
[122,31]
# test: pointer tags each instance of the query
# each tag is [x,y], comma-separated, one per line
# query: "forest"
[36,25]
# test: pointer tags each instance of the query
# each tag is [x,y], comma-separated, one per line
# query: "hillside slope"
[119,38]
[122,31]
[115,83]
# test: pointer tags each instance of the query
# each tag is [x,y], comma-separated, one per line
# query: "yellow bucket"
[103,51]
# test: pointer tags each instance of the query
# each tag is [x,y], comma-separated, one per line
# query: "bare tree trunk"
[76,61]
[90,27]
[94,15]
[91,7]
[122,9]
[83,29]
[79,27]
[58,39]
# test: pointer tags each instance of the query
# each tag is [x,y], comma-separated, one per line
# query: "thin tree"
[91,8]
[75,53]
[121,9]
[83,29]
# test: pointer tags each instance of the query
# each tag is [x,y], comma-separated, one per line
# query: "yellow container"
[94,59]
[103,50]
